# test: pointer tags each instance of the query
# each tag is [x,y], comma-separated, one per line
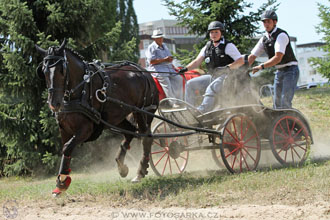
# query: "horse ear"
[42,51]
[39,72]
[62,45]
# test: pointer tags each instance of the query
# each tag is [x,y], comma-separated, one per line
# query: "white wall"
[307,72]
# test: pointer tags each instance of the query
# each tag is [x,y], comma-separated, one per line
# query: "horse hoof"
[137,179]
[56,192]
[122,168]
[123,171]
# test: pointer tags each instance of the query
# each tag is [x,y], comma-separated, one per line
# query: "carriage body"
[246,127]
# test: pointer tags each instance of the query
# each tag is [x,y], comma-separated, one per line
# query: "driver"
[217,53]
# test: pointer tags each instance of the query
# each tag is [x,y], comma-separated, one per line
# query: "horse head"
[54,70]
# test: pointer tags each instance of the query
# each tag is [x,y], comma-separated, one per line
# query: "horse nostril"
[55,106]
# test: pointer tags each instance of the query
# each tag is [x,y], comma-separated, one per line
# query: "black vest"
[215,56]
[270,49]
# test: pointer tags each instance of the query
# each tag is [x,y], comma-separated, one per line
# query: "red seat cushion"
[188,75]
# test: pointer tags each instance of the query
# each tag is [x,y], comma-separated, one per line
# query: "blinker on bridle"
[57,59]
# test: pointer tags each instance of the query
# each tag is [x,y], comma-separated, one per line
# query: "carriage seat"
[187,76]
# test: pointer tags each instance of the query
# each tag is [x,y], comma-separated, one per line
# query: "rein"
[96,117]
[149,71]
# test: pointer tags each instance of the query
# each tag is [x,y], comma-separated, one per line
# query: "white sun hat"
[157,34]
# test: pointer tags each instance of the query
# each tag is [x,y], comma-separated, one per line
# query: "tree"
[130,27]
[240,27]
[322,64]
[29,134]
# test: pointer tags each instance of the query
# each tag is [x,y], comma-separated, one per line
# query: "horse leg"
[124,146]
[144,163]
[63,180]
[144,126]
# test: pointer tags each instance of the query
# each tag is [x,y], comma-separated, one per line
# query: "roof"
[313,44]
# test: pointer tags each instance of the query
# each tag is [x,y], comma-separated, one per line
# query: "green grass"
[202,189]
[315,105]
[284,186]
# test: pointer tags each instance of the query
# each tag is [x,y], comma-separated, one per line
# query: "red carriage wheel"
[240,145]
[168,155]
[290,139]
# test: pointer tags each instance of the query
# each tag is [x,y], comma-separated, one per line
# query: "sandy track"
[87,210]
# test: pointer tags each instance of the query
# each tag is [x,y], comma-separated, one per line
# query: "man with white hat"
[160,60]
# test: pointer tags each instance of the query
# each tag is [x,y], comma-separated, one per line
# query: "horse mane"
[75,53]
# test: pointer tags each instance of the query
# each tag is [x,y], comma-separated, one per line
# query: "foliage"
[240,26]
[322,64]
[29,135]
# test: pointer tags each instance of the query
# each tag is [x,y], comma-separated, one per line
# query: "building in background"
[308,75]
[175,37]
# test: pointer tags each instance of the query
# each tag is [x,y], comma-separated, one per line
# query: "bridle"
[57,61]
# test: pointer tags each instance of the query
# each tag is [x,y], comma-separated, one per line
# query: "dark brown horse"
[79,93]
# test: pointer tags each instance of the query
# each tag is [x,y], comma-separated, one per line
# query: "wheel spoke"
[168,157]
[232,152]
[157,152]
[286,153]
[165,131]
[230,143]
[282,148]
[241,128]
[233,122]
[300,146]
[234,162]
[249,154]
[159,144]
[288,127]
[232,135]
[240,160]
[280,142]
[293,125]
[298,133]
[246,130]
[276,132]
[169,163]
[292,153]
[296,152]
[183,157]
[283,129]
[251,138]
[253,147]
[246,161]
[160,158]
[177,165]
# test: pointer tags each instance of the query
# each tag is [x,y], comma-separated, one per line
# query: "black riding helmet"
[216,25]
[269,14]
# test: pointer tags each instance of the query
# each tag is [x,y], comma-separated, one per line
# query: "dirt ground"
[102,209]
[76,210]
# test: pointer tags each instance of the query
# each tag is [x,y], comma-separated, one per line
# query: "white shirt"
[231,50]
[281,42]
[153,52]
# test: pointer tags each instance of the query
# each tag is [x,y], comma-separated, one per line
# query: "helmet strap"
[271,30]
[218,40]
